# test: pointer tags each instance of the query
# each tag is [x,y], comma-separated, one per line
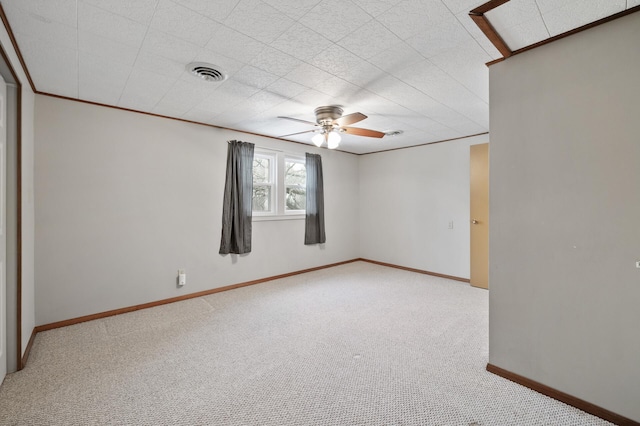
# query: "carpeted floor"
[358,344]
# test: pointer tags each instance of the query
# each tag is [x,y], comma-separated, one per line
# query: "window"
[263,183]
[295,185]
[279,185]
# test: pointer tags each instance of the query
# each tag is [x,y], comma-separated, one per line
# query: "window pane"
[261,170]
[261,198]
[296,198]
[295,173]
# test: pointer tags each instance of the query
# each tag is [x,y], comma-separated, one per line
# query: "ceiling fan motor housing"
[326,114]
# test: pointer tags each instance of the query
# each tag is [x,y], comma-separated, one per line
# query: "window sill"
[265,218]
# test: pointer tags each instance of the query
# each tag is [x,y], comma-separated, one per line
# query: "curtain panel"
[314,218]
[238,191]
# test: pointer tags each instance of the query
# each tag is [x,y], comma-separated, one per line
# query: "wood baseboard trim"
[563,397]
[113,312]
[419,271]
[27,351]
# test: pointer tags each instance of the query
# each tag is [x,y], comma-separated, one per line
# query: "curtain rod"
[263,147]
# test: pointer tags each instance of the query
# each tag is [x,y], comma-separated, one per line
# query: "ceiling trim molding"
[425,144]
[244,131]
[67,98]
[7,26]
[477,15]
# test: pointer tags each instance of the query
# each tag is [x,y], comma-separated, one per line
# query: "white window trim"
[278,192]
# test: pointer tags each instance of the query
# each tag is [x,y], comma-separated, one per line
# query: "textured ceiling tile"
[183,23]
[512,13]
[376,7]
[339,89]
[312,98]
[106,48]
[162,44]
[285,88]
[183,96]
[234,44]
[489,48]
[24,22]
[401,93]
[431,80]
[397,58]
[334,19]
[217,10]
[526,33]
[290,108]
[466,65]
[159,64]
[469,25]
[53,68]
[301,42]
[254,77]
[258,20]
[61,11]
[263,101]
[294,9]
[362,74]
[576,14]
[275,62]
[308,75]
[101,80]
[409,17]
[435,40]
[228,94]
[110,25]
[166,109]
[369,40]
[464,6]
[138,10]
[198,115]
[341,63]
[144,89]
[336,60]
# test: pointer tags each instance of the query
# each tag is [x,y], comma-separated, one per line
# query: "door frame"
[13,196]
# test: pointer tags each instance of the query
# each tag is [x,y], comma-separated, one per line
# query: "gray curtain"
[314,219]
[238,192]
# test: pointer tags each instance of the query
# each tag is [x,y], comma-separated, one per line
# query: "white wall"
[407,199]
[124,200]
[564,238]
[27,219]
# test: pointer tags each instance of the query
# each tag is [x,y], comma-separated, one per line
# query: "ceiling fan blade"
[362,132]
[299,133]
[345,120]
[301,121]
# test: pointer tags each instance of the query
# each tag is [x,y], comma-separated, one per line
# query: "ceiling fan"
[331,123]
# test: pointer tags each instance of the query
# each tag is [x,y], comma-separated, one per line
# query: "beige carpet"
[357,344]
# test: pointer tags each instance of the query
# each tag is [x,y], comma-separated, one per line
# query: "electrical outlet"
[182,277]
[638,264]
[450,224]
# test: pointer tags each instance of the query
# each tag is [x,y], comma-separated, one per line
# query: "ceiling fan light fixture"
[317,139]
[333,140]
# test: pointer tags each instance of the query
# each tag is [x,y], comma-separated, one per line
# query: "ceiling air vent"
[393,133]
[207,72]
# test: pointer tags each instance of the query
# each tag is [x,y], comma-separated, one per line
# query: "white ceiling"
[411,65]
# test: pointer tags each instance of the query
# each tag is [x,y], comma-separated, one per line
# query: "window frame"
[292,159]
[278,188]
[273,164]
